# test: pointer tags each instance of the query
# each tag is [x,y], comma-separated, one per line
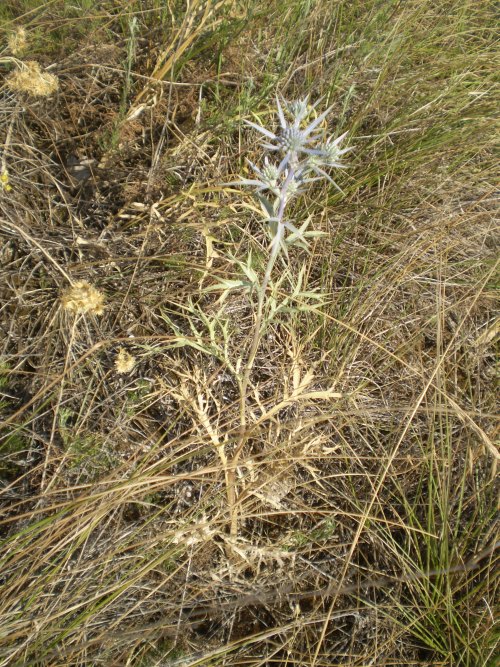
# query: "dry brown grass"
[366,488]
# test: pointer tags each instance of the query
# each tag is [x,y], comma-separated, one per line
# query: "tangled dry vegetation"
[365,494]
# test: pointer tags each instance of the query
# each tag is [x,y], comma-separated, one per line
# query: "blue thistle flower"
[304,158]
[291,140]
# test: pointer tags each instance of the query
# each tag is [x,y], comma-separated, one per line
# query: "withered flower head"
[83,298]
[17,41]
[29,78]
[124,361]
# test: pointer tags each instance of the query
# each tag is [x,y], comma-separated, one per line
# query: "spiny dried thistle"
[82,298]
[17,41]
[29,78]
[124,362]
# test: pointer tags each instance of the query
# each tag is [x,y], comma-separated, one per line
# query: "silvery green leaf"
[293,229]
[297,236]
[317,121]
[318,170]
[248,269]
[315,234]
[249,181]
[280,113]
[273,226]
[267,207]
[270,147]
[263,130]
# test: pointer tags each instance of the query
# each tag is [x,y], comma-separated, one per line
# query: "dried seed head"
[124,362]
[4,181]
[83,298]
[17,41]
[29,78]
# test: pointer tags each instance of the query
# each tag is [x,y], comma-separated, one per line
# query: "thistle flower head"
[299,146]
[294,188]
[327,156]
[270,173]
[331,152]
[304,157]
[267,178]
[290,139]
[299,109]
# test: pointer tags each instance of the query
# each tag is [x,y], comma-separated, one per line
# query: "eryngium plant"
[302,154]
